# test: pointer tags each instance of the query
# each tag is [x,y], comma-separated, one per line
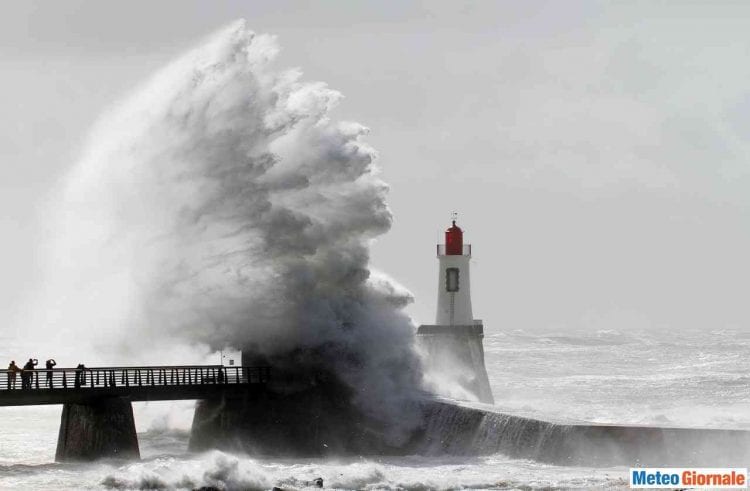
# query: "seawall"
[457,429]
[318,422]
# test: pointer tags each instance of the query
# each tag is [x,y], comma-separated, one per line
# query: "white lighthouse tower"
[454,292]
[453,345]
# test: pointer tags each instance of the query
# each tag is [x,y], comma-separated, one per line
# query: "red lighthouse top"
[454,241]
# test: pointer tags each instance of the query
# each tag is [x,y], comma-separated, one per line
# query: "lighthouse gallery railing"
[466,251]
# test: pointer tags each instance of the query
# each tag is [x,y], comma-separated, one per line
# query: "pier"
[97,418]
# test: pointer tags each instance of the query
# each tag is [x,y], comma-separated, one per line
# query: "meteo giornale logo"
[707,477]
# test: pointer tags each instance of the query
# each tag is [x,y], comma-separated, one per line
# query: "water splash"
[219,205]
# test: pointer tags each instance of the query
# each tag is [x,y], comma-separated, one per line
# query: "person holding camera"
[27,375]
[50,364]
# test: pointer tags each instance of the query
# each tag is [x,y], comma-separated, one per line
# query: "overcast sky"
[598,153]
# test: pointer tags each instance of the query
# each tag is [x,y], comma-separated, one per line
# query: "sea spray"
[219,205]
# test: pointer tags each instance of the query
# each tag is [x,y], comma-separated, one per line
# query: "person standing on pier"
[12,372]
[27,375]
[50,364]
[80,375]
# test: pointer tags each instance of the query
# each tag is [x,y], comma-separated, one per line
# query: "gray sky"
[598,153]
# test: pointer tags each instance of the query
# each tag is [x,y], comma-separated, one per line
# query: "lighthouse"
[453,346]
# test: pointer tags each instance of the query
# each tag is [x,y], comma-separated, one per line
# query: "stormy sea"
[220,205]
[694,380]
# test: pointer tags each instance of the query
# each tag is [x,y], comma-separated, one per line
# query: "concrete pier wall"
[455,429]
[100,429]
[311,413]
[311,419]
[303,410]
[313,424]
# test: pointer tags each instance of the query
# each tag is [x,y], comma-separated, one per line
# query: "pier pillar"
[101,428]
[309,423]
[301,413]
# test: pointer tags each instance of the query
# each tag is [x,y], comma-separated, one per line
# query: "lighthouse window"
[451,279]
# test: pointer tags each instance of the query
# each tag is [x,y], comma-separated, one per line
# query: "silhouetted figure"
[79,375]
[12,371]
[24,376]
[221,375]
[50,364]
[27,375]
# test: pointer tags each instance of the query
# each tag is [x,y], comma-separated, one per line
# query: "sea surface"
[676,379]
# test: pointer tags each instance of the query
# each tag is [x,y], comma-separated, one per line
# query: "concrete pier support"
[313,417]
[291,424]
[101,428]
[456,353]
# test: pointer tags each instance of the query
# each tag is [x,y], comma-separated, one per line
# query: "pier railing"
[119,377]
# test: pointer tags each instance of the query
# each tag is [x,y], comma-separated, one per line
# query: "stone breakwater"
[317,422]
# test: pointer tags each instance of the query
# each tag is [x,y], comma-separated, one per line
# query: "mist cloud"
[219,205]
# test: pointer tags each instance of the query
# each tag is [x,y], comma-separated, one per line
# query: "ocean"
[698,379]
